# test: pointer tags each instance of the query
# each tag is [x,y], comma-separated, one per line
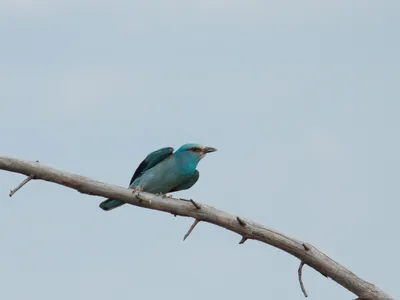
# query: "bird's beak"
[209,149]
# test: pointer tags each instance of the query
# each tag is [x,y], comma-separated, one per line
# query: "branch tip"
[191,229]
[241,222]
[242,240]
[195,204]
[26,180]
[300,278]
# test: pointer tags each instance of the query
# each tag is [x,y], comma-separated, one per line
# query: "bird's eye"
[196,150]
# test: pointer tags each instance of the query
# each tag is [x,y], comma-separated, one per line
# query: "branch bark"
[306,253]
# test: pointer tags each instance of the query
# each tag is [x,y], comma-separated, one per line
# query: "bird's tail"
[110,204]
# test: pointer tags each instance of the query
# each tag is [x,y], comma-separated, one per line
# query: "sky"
[301,99]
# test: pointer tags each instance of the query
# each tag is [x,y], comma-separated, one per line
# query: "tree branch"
[300,273]
[246,228]
[191,229]
[26,180]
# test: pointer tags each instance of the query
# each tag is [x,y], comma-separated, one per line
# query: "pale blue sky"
[300,98]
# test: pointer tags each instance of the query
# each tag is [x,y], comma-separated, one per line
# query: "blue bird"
[164,171]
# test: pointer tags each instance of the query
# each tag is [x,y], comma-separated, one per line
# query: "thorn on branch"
[12,192]
[195,204]
[242,240]
[301,280]
[191,229]
[307,248]
[241,222]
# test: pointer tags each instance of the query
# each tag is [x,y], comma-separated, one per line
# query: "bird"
[165,171]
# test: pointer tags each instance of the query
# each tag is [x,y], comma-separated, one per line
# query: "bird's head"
[194,151]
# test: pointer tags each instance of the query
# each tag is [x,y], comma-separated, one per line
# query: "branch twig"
[191,228]
[252,230]
[29,178]
[195,204]
[301,279]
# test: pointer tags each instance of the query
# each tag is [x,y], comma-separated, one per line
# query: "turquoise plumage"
[164,171]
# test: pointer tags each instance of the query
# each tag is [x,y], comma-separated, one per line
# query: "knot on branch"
[241,222]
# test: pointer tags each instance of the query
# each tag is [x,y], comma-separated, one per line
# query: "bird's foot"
[167,196]
[138,190]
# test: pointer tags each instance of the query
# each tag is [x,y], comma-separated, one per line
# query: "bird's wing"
[154,158]
[187,184]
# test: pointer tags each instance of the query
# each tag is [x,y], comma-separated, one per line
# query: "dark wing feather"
[187,184]
[151,160]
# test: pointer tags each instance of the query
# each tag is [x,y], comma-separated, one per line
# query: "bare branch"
[301,280]
[12,192]
[191,228]
[252,230]
[195,204]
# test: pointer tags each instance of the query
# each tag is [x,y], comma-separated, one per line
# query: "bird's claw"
[138,190]
[167,196]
